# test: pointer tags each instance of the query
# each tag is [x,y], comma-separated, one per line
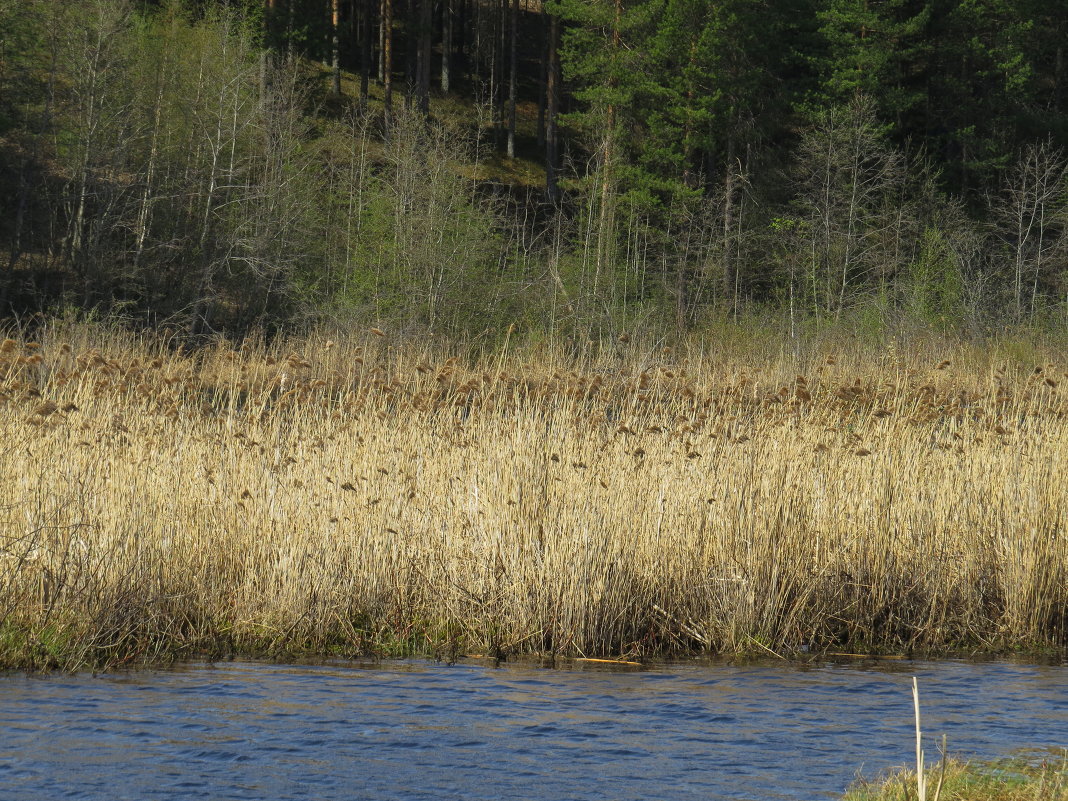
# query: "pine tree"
[981,88]
[879,49]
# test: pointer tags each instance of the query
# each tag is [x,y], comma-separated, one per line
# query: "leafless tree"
[849,180]
[1032,219]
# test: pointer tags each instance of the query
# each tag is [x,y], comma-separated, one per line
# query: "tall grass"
[380,494]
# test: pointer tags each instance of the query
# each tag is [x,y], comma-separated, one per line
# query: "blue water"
[414,730]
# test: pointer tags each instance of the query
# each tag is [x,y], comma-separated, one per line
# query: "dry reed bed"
[373,495]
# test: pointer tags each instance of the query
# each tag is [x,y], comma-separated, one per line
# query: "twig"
[942,771]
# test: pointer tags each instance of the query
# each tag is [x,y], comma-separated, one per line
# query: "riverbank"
[952,780]
[379,495]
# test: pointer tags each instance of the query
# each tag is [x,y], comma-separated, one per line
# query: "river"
[422,730]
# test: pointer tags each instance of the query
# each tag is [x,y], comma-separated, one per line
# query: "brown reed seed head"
[509,501]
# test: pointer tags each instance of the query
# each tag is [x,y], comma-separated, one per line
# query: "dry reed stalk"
[921,769]
[338,497]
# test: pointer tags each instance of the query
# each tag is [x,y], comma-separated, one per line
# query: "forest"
[582,167]
[598,328]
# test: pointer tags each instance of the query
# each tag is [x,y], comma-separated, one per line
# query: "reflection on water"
[426,731]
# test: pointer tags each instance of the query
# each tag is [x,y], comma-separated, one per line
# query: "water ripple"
[413,730]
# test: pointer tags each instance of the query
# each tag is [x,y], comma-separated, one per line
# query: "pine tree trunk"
[475,55]
[446,44]
[426,25]
[494,79]
[501,47]
[411,52]
[365,54]
[387,60]
[460,60]
[543,77]
[512,78]
[335,48]
[382,41]
[552,104]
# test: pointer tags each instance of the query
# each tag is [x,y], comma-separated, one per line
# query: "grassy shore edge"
[1012,779]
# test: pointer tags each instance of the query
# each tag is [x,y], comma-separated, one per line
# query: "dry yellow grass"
[380,494]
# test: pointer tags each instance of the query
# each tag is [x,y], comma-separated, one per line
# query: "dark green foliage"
[183,162]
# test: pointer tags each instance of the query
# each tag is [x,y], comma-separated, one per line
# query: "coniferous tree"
[880,50]
[981,89]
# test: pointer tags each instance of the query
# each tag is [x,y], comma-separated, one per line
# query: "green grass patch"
[1017,779]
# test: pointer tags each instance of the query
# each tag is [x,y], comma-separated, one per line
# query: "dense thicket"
[678,161]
